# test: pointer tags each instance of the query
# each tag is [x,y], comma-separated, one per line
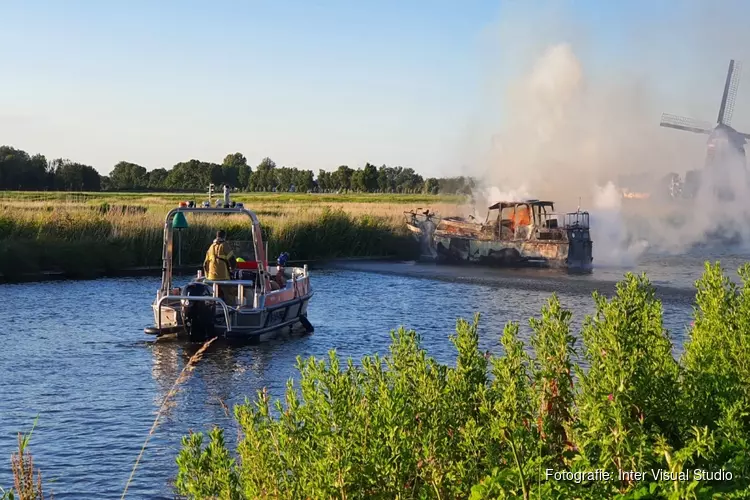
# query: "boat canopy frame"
[508,204]
[537,209]
[168,242]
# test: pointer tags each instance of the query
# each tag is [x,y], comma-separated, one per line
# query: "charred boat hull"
[523,253]
[534,239]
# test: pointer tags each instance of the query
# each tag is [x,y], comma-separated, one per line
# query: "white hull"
[254,325]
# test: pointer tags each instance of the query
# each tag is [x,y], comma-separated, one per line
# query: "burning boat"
[513,233]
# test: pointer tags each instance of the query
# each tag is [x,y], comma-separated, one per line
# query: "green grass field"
[83,234]
[259,198]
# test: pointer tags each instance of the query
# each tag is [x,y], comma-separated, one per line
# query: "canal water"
[74,353]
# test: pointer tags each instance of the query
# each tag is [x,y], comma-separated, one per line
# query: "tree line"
[24,172]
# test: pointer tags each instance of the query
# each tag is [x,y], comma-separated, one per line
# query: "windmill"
[722,138]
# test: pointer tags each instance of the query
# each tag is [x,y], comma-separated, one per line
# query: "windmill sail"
[730,92]
[684,123]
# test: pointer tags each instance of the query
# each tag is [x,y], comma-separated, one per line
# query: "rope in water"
[184,375]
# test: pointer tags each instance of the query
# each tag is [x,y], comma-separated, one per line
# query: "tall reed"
[84,237]
[25,485]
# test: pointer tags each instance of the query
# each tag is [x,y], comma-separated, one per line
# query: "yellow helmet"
[240,259]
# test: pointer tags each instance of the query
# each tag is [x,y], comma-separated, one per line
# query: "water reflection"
[167,364]
[218,380]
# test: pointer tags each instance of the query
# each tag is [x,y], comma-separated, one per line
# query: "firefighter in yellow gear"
[219,264]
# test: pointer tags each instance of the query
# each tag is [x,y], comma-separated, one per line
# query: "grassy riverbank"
[82,234]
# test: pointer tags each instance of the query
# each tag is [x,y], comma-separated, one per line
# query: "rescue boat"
[258,312]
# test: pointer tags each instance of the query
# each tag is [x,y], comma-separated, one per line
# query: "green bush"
[495,426]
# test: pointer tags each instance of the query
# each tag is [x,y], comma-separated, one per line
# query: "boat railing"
[297,274]
[570,220]
[240,284]
[413,216]
[576,220]
[194,298]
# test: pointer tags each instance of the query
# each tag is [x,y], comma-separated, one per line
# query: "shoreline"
[48,275]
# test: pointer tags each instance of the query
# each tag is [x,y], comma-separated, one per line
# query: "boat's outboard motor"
[198,316]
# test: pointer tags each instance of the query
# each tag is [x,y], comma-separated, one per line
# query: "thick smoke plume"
[578,129]
[614,246]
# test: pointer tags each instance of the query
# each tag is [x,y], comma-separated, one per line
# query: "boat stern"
[580,247]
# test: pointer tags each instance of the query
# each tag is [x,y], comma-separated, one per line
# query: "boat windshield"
[243,249]
[516,215]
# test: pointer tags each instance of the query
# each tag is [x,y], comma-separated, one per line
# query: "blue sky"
[311,86]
